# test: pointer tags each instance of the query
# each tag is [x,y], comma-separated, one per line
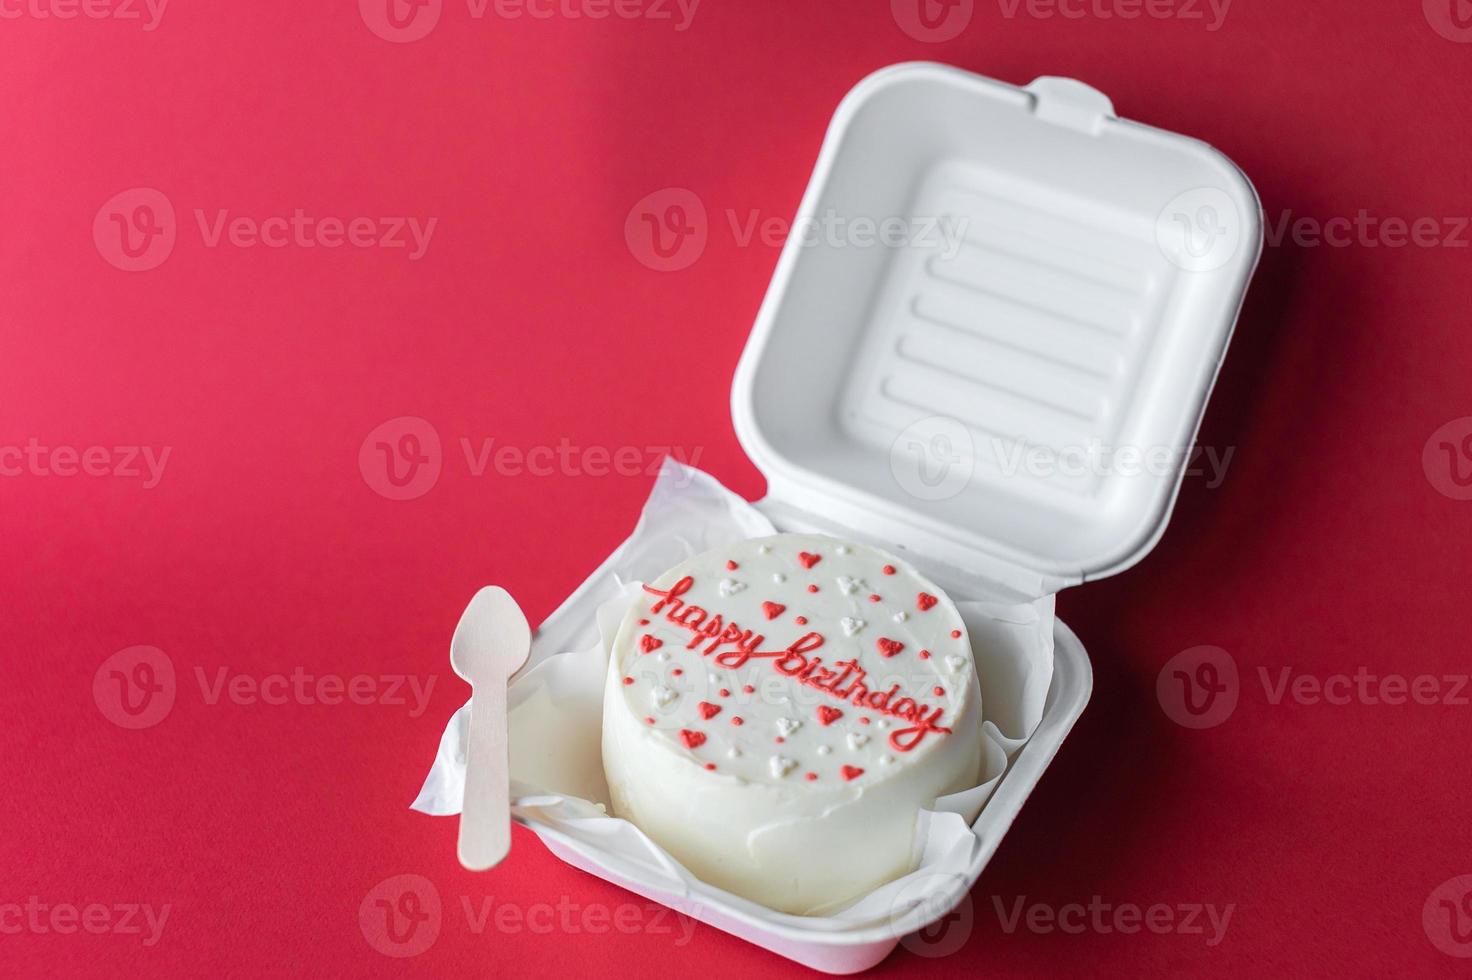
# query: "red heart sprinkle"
[851,772]
[649,643]
[773,609]
[828,715]
[926,601]
[808,559]
[887,647]
[692,740]
[708,710]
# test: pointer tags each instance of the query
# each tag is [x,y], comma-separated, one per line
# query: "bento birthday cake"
[779,711]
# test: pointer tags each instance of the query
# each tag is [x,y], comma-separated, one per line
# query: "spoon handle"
[485,817]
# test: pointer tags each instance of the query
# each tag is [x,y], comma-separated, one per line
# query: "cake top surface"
[797,660]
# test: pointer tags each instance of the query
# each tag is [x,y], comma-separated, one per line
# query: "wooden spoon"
[490,644]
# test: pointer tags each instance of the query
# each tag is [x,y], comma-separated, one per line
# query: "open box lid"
[991,335]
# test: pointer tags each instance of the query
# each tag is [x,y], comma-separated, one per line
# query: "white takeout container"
[887,389]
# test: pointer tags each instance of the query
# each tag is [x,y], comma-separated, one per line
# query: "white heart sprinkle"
[786,726]
[848,586]
[729,586]
[957,664]
[781,765]
[857,740]
[851,625]
[662,696]
[824,750]
[778,577]
[901,616]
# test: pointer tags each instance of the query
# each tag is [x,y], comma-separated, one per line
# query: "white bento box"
[1011,409]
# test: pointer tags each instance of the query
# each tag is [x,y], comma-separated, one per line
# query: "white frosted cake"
[778,712]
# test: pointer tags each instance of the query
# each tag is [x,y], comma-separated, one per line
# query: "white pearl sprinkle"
[824,750]
[842,549]
[885,760]
[733,753]
[765,549]
[662,656]
[778,577]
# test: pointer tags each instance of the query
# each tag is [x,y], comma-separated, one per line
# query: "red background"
[528,320]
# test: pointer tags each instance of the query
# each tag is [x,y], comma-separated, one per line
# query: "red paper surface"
[1336,544]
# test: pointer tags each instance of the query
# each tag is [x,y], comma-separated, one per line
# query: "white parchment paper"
[556,708]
